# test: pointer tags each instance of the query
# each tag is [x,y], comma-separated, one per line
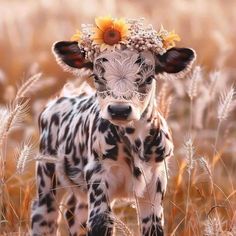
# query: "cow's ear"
[69,55]
[174,60]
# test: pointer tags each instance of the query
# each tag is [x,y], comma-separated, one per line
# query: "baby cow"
[107,145]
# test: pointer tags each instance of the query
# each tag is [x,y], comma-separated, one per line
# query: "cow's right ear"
[69,56]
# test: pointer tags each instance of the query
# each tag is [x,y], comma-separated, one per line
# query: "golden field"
[201,195]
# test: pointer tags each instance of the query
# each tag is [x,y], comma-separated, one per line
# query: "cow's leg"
[45,207]
[76,214]
[151,209]
[100,221]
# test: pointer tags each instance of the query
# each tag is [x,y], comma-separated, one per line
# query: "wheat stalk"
[190,164]
[225,104]
[189,148]
[14,118]
[26,86]
[214,78]
[45,158]
[26,151]
[195,78]
[206,167]
[213,226]
[121,226]
[224,108]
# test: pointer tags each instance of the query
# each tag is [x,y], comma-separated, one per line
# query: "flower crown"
[109,34]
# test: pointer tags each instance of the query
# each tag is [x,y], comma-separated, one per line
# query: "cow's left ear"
[174,60]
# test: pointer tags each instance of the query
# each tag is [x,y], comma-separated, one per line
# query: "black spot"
[47,200]
[101,225]
[43,223]
[97,203]
[70,170]
[106,183]
[35,219]
[159,187]
[104,124]
[145,220]
[91,214]
[129,130]
[91,198]
[84,161]
[95,154]
[96,184]
[73,101]
[49,169]
[136,172]
[71,200]
[98,191]
[104,199]
[152,131]
[60,100]
[110,139]
[88,175]
[137,142]
[111,153]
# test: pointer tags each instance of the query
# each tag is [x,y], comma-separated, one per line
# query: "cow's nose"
[119,112]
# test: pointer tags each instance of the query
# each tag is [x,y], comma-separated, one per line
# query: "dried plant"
[225,104]
[213,227]
[14,117]
[189,148]
[164,101]
[121,226]
[26,152]
[27,86]
[206,169]
[214,78]
[195,78]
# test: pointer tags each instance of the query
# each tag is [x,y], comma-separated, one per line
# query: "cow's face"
[124,79]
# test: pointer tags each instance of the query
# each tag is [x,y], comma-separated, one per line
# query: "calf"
[107,145]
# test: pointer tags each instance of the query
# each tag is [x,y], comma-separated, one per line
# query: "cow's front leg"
[99,222]
[151,209]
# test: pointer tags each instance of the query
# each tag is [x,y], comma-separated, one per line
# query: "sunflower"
[77,36]
[109,32]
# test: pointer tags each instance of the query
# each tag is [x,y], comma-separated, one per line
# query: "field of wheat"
[201,195]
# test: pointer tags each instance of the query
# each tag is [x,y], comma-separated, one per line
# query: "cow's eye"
[95,78]
[149,79]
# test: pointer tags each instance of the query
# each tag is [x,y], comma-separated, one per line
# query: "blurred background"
[27,31]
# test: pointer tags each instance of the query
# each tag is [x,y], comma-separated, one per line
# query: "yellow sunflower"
[77,36]
[109,32]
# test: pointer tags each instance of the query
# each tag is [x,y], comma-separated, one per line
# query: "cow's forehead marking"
[124,64]
[123,70]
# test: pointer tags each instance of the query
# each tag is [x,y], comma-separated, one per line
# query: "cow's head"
[124,78]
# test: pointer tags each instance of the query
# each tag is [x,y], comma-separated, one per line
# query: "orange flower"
[109,32]
[77,36]
[169,39]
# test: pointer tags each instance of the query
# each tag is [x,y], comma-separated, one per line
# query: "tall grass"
[201,195]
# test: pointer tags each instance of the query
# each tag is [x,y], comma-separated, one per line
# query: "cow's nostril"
[119,111]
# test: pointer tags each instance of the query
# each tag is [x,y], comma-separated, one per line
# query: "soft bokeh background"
[27,32]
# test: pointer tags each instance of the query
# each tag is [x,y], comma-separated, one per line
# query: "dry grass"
[201,196]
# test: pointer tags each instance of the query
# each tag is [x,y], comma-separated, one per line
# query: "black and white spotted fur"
[101,155]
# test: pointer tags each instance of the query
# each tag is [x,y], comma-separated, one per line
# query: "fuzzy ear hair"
[70,57]
[175,61]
